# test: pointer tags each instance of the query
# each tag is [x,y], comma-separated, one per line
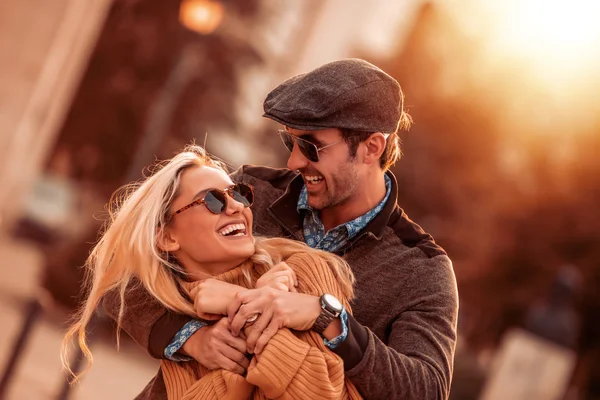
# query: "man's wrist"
[315,311]
[337,335]
[331,309]
[333,330]
[186,350]
[175,351]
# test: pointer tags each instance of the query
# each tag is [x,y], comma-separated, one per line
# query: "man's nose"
[297,160]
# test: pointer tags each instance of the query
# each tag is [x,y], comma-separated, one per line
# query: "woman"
[188,223]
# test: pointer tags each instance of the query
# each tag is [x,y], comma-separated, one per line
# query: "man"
[341,123]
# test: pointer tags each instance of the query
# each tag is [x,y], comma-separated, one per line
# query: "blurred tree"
[131,71]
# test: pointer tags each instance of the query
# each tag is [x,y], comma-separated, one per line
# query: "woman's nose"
[233,206]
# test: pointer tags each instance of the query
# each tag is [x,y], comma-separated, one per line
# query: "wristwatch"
[330,308]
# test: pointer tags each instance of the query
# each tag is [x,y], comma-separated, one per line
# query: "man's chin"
[314,201]
[317,202]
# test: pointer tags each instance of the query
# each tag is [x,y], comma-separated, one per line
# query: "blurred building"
[45,48]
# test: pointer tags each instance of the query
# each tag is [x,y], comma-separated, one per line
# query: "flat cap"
[346,94]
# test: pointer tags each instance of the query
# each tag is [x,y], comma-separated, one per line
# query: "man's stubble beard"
[340,190]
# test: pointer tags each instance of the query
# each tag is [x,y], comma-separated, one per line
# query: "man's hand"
[212,296]
[215,347]
[277,309]
[281,277]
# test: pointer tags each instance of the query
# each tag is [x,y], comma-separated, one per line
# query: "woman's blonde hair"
[127,252]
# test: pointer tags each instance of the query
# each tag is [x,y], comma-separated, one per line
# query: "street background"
[501,165]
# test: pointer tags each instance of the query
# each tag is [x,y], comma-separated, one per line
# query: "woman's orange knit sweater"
[293,365]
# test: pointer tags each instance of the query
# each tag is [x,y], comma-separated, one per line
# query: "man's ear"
[165,240]
[374,147]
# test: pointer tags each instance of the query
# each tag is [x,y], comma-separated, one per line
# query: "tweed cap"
[346,94]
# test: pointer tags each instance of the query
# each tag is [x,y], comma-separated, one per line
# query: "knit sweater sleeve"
[298,365]
[181,383]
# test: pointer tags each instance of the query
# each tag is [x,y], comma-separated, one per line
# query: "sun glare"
[556,43]
[561,27]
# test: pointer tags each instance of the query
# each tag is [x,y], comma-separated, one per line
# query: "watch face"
[332,303]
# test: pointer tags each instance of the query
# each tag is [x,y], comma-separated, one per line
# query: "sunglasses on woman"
[308,149]
[216,199]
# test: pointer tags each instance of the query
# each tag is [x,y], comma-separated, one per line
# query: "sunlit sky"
[557,40]
[544,55]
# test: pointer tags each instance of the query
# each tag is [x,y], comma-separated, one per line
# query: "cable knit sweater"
[293,365]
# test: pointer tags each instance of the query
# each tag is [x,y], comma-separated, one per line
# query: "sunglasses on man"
[308,149]
[215,200]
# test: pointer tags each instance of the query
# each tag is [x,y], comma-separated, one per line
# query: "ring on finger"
[252,318]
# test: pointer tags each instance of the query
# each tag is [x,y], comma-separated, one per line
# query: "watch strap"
[325,318]
[323,321]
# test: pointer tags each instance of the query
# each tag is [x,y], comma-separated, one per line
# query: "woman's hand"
[275,309]
[281,277]
[211,298]
[215,347]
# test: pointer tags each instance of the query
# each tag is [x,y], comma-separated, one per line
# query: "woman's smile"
[234,230]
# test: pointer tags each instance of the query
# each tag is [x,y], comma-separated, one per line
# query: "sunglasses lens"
[243,193]
[215,201]
[309,150]
[287,140]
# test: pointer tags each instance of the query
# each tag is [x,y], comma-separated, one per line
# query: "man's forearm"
[145,320]
[166,328]
[380,371]
[353,348]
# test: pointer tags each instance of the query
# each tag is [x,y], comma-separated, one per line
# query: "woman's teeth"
[233,227]
[313,179]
